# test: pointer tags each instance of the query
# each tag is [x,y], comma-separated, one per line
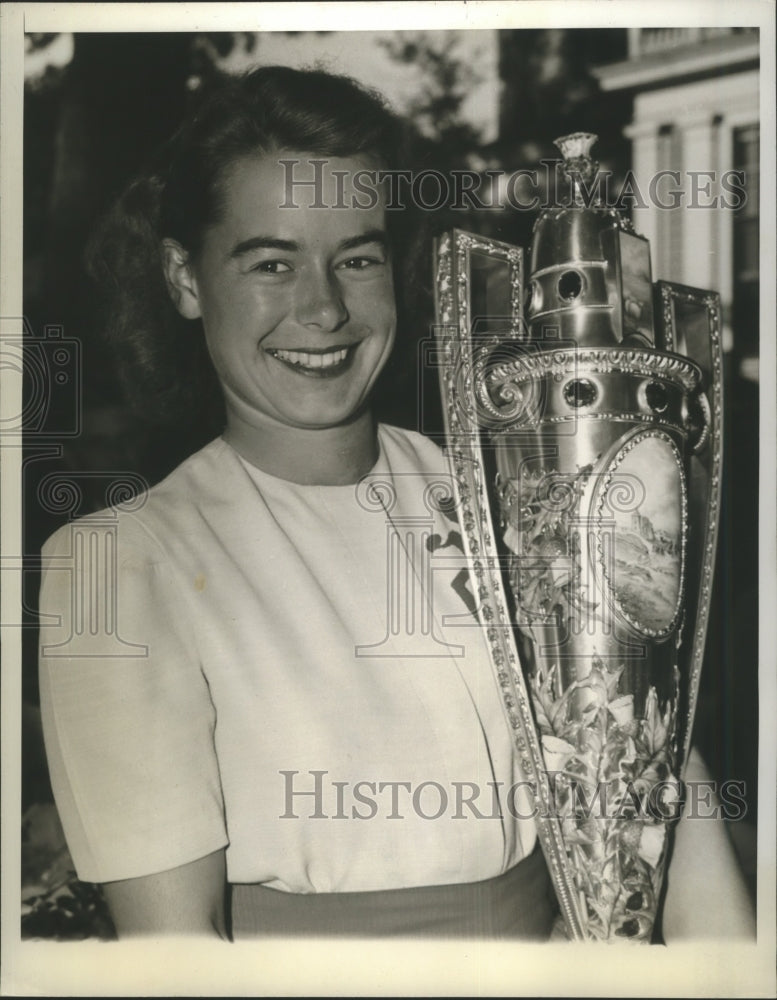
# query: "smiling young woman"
[297,739]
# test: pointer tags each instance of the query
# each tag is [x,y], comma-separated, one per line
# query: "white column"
[645,163]
[635,42]
[700,264]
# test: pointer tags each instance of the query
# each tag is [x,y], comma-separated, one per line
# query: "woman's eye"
[361,263]
[271,267]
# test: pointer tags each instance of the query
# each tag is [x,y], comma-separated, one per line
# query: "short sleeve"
[127,715]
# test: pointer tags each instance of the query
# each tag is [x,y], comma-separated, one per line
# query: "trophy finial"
[578,165]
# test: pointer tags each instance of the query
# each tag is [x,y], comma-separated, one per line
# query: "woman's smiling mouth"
[319,364]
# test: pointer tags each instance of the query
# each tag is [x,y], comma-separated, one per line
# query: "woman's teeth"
[327,360]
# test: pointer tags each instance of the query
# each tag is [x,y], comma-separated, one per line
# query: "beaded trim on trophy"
[510,393]
[528,367]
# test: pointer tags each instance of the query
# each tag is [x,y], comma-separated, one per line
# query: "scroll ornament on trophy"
[583,408]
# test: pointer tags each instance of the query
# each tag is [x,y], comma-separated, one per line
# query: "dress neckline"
[260,476]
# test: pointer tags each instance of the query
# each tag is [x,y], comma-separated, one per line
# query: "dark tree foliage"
[437,109]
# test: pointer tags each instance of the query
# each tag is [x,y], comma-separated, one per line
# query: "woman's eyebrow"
[291,246]
[371,236]
[263,243]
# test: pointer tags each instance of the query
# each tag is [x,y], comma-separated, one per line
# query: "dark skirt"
[518,904]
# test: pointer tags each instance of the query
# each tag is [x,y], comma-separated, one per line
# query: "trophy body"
[585,438]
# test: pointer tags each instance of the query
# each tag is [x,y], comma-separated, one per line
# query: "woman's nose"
[321,303]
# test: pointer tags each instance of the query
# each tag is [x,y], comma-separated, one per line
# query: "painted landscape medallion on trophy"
[644,501]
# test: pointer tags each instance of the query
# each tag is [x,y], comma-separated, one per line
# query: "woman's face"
[297,303]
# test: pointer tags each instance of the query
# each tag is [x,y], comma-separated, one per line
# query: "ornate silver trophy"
[583,412]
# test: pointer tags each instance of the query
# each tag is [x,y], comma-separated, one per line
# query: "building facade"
[696,112]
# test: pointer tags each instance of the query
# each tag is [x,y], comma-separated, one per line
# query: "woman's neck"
[327,456]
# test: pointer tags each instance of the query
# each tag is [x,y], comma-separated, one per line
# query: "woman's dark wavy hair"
[162,360]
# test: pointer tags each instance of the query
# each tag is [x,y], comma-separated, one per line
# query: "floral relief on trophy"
[540,519]
[614,790]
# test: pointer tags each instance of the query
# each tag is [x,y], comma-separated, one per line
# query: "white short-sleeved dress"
[292,673]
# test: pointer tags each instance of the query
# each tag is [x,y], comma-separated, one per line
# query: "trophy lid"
[590,274]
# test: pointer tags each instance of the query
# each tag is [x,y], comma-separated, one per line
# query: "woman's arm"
[184,900]
[130,739]
[706,894]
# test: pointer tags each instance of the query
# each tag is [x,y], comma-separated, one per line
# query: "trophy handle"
[479,304]
[689,320]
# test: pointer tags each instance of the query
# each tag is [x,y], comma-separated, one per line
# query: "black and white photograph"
[388,499]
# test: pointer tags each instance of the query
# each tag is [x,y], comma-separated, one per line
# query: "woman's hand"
[706,894]
[185,900]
